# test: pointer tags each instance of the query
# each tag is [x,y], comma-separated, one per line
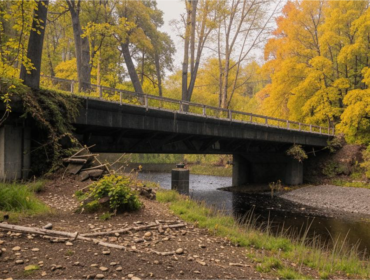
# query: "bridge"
[119,121]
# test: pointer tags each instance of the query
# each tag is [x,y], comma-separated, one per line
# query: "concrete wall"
[14,152]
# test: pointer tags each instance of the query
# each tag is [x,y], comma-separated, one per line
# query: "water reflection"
[278,212]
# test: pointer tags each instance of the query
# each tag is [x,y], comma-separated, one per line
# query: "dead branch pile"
[86,165]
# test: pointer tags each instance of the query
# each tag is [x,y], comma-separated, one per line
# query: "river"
[277,212]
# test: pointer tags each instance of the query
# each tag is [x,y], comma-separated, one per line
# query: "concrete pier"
[15,145]
[180,179]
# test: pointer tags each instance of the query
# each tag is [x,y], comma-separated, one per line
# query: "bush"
[112,192]
[366,163]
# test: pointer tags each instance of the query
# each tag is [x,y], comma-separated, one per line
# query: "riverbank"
[212,245]
[332,198]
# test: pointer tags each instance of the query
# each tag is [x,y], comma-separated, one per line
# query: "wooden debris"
[86,164]
[164,253]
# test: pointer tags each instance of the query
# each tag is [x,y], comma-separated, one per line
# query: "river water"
[277,212]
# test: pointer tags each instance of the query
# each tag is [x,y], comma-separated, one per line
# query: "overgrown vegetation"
[366,162]
[21,199]
[51,113]
[297,153]
[278,250]
[112,192]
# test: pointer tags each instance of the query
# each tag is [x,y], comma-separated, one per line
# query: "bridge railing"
[163,103]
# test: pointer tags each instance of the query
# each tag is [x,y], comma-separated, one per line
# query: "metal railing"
[163,103]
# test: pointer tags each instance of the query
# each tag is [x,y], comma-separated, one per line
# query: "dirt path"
[200,255]
[333,198]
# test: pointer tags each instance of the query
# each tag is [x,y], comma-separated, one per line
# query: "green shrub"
[112,192]
[19,198]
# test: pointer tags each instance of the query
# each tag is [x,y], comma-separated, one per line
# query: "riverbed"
[279,213]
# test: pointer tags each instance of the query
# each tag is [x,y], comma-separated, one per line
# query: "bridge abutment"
[249,170]
[15,161]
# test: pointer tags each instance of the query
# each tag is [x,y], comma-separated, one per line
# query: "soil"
[204,256]
[332,198]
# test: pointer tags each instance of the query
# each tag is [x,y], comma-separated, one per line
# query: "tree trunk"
[34,52]
[185,64]
[82,48]
[159,75]
[131,68]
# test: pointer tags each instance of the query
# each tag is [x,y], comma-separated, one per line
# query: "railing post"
[100,92]
[287,124]
[266,121]
[120,97]
[299,126]
[204,110]
[230,115]
[181,107]
[146,103]
[310,127]
[320,130]
[72,86]
[329,130]
[251,116]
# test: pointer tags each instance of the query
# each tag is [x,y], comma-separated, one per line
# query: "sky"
[172,10]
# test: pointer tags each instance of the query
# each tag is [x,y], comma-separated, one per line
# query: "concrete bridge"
[151,124]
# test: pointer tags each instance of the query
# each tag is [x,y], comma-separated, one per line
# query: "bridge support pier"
[15,161]
[253,171]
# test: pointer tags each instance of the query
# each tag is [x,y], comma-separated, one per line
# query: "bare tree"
[201,20]
[242,29]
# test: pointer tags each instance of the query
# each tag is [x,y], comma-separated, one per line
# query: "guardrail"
[163,103]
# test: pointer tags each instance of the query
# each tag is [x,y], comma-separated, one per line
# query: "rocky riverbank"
[332,198]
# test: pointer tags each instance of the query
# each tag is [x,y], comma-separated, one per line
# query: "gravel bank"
[351,200]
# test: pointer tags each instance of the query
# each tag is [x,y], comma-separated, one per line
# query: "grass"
[20,199]
[278,249]
[208,169]
[345,183]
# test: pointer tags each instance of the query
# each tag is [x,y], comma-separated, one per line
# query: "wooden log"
[75,160]
[124,230]
[39,231]
[86,156]
[103,166]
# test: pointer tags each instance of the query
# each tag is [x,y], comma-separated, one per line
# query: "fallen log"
[39,231]
[46,233]
[126,230]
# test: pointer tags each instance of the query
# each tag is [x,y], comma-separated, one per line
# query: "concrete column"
[241,171]
[180,180]
[14,152]
[294,172]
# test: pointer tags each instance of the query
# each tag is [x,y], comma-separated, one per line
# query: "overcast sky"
[172,9]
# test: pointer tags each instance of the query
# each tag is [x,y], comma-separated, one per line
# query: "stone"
[179,251]
[69,243]
[35,249]
[16,248]
[43,273]
[113,239]
[106,252]
[113,264]
[197,272]
[19,261]
[148,234]
[119,268]
[103,268]
[135,278]
[94,265]
[201,262]
[202,246]
[99,276]
[130,275]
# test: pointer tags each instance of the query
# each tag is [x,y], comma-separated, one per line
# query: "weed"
[20,198]
[269,263]
[69,253]
[105,216]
